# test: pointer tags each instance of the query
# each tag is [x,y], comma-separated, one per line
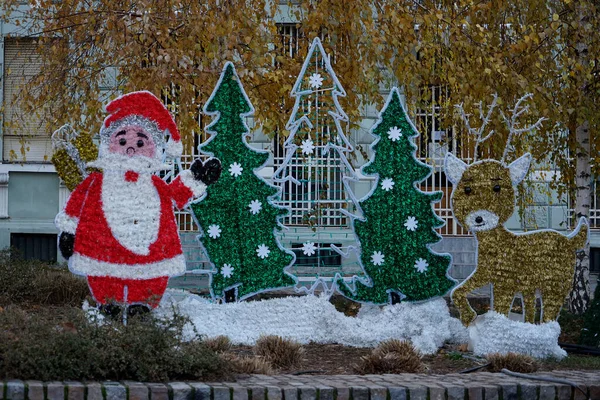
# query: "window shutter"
[25,136]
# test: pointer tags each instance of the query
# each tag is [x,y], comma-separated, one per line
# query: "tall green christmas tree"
[237,216]
[399,222]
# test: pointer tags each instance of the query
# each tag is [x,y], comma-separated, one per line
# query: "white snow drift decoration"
[314,319]
[495,333]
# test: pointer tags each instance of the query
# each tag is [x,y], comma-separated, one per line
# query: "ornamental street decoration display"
[483,199]
[315,173]
[238,218]
[118,226]
[399,222]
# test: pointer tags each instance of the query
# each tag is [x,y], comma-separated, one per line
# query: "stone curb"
[476,386]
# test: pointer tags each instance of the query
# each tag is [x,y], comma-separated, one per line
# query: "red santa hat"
[145,109]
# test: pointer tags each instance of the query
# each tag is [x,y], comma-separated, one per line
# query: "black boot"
[137,309]
[112,311]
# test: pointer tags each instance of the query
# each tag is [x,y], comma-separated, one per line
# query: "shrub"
[218,344]
[590,334]
[66,346]
[248,364]
[511,361]
[280,352]
[391,357]
[33,282]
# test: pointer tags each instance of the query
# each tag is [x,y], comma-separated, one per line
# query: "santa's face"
[132,140]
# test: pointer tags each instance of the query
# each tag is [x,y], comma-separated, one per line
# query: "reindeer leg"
[529,306]
[459,298]
[502,300]
[552,304]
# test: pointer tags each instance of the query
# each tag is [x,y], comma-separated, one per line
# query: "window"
[25,136]
[35,246]
[434,141]
[324,256]
[595,260]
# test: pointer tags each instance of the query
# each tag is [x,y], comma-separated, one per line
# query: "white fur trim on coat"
[197,187]
[174,148]
[83,265]
[66,223]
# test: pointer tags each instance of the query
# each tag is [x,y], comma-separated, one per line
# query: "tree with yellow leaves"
[549,48]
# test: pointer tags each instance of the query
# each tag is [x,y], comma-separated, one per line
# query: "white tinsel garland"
[495,333]
[314,319]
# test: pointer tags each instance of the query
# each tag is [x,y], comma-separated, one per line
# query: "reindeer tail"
[579,237]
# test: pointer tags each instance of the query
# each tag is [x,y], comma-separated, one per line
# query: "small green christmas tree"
[399,222]
[237,217]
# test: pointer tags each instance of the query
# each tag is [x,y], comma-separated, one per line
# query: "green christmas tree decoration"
[237,217]
[399,221]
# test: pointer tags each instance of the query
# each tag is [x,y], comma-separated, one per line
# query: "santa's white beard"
[120,162]
[132,210]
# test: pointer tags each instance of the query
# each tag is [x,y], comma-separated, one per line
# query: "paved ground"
[476,386]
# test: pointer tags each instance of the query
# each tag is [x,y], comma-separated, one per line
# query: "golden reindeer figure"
[537,262]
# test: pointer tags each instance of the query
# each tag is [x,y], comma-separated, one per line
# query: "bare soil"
[335,359]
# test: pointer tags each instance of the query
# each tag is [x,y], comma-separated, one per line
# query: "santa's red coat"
[96,250]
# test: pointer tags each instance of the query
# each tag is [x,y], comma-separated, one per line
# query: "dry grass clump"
[248,364]
[512,361]
[280,352]
[218,344]
[391,357]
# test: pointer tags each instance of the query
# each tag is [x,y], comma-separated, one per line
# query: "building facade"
[31,194]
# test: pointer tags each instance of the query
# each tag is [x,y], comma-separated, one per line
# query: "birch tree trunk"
[579,298]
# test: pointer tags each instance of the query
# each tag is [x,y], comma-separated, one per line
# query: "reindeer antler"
[478,132]
[511,123]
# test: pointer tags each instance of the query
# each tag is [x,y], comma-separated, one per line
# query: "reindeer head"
[484,191]
[484,195]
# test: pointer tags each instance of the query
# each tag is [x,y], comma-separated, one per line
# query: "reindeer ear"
[518,168]
[454,167]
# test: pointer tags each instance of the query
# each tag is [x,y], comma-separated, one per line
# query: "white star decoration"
[394,133]
[411,224]
[255,206]
[308,146]
[421,265]
[214,231]
[235,169]
[309,248]
[315,81]
[377,258]
[387,184]
[263,251]
[227,271]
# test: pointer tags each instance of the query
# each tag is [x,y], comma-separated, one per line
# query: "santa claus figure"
[118,227]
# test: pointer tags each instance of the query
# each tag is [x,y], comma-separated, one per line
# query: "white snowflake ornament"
[315,81]
[387,184]
[255,207]
[235,169]
[309,248]
[394,133]
[377,258]
[263,251]
[411,224]
[214,231]
[227,271]
[421,265]
[308,146]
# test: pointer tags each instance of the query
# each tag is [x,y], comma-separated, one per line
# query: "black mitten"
[207,173]
[65,244]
